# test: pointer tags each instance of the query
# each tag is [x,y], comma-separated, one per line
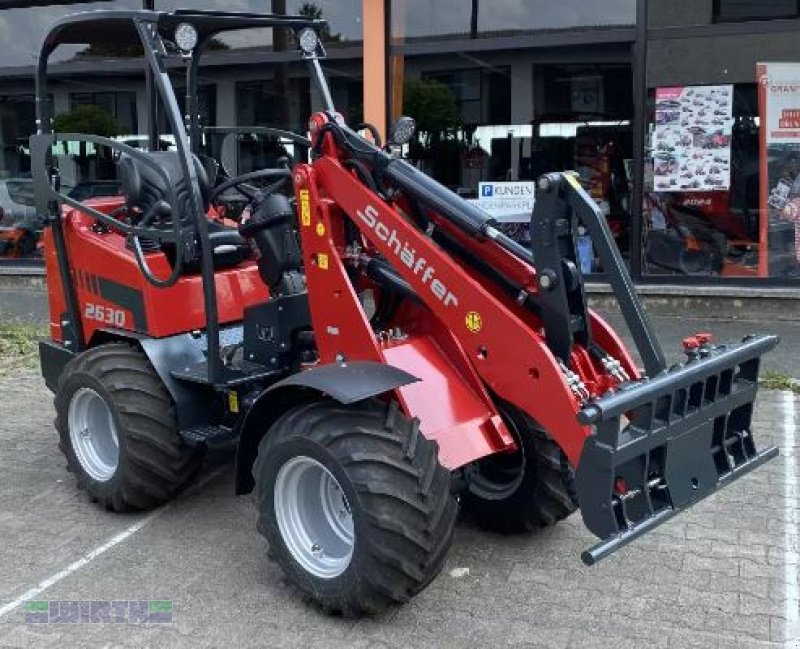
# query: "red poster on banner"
[779,162]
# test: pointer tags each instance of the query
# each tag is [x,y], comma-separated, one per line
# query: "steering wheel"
[160,210]
[241,183]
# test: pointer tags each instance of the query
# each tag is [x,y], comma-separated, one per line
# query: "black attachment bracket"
[561,298]
[663,444]
[560,203]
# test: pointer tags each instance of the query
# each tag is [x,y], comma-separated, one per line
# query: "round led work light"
[185,37]
[308,40]
[402,131]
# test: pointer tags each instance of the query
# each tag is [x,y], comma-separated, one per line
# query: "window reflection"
[485,19]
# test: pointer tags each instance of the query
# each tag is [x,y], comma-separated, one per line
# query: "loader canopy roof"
[158,34]
[119,26]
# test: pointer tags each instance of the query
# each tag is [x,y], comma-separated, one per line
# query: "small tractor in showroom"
[378,350]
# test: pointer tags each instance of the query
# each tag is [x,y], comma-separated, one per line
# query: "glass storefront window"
[734,10]
[20,229]
[121,105]
[258,104]
[414,19]
[206,102]
[241,84]
[343,18]
[17,123]
[511,119]
[702,204]
[22,31]
[494,114]
[718,203]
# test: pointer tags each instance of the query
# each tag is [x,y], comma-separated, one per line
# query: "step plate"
[206,435]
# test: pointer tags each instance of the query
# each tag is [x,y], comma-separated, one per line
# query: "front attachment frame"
[663,444]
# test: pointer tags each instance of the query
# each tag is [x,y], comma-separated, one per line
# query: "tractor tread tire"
[154,463]
[404,511]
[546,496]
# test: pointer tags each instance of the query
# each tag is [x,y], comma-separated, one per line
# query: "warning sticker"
[233,401]
[305,208]
[474,321]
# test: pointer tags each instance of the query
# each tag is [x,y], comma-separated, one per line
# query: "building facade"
[662,106]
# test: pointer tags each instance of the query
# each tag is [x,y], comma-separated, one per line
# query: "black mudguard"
[53,357]
[192,402]
[663,444]
[345,382]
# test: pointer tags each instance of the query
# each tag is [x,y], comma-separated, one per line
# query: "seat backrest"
[143,186]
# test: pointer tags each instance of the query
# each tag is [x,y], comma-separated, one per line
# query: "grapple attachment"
[663,444]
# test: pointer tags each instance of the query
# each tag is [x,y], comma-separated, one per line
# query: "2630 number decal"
[105,314]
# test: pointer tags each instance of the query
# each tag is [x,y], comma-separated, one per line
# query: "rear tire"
[522,491]
[117,428]
[395,510]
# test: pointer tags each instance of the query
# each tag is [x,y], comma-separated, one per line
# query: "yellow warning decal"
[474,321]
[321,229]
[322,261]
[233,401]
[305,208]
[573,180]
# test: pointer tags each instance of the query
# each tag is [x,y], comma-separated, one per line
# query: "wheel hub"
[314,517]
[93,434]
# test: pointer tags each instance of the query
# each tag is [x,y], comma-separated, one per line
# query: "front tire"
[354,504]
[531,488]
[117,428]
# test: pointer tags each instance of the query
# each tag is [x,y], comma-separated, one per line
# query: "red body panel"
[112,292]
[452,413]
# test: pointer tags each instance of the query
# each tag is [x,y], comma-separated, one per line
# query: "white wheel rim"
[314,517]
[93,434]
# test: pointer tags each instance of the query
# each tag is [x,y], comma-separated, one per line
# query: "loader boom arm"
[499,331]
[643,447]
[508,355]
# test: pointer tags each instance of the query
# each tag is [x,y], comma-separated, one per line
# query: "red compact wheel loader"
[379,350]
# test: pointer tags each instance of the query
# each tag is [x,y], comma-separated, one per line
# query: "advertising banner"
[692,138]
[779,111]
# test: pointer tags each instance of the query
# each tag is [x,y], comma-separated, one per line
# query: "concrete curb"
[713,302]
[677,290]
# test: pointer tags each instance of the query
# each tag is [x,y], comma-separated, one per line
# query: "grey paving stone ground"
[672,329]
[717,576]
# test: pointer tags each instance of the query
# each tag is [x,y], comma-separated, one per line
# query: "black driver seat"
[143,187]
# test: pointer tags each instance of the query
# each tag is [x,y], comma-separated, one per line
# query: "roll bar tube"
[155,54]
[45,194]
